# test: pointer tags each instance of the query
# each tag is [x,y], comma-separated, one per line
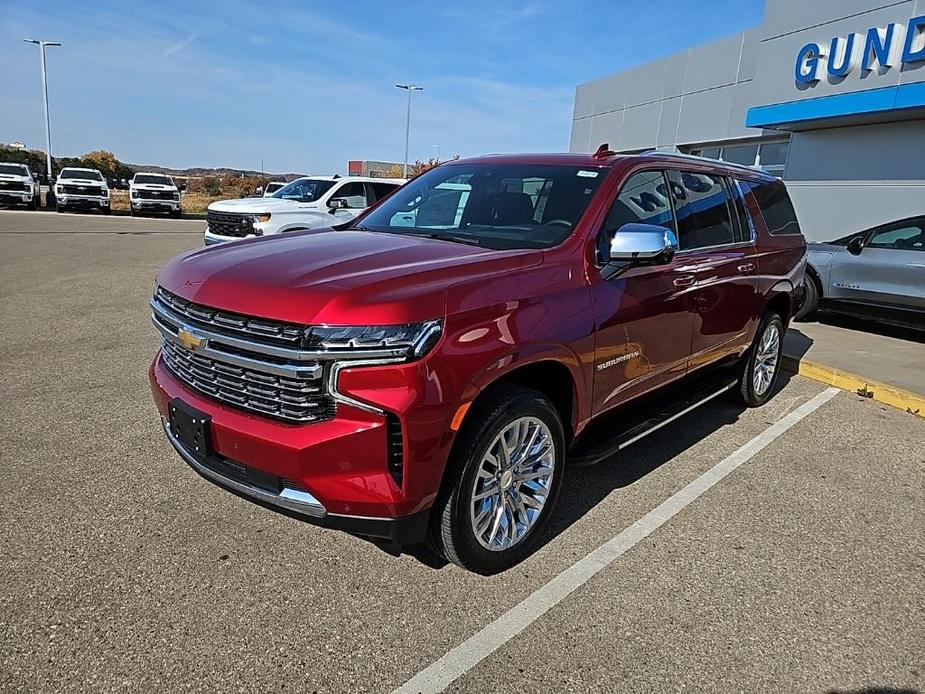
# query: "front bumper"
[156,205]
[332,473]
[296,503]
[81,201]
[211,239]
[15,197]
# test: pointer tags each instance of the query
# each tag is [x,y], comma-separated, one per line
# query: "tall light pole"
[408,88]
[42,45]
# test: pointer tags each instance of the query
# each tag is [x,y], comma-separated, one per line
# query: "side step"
[634,422]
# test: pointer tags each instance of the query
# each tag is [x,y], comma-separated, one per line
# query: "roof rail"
[695,157]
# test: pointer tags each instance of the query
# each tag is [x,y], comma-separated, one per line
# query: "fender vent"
[395,448]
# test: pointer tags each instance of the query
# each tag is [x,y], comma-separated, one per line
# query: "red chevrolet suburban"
[426,373]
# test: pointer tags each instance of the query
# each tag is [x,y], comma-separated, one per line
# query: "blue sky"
[307,86]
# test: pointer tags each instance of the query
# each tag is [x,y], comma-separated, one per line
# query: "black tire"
[810,299]
[748,393]
[36,203]
[451,533]
[59,207]
[133,213]
[107,210]
[176,214]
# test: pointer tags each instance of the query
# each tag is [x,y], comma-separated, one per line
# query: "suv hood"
[257,205]
[335,277]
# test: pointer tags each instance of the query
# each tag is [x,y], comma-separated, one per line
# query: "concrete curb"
[905,400]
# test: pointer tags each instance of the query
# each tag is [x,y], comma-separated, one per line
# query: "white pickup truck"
[18,186]
[82,189]
[311,202]
[154,192]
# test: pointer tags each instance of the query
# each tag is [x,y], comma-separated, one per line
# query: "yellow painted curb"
[881,392]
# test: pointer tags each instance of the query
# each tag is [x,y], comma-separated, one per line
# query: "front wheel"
[762,363]
[503,479]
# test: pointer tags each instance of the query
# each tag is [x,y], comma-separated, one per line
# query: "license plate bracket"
[190,427]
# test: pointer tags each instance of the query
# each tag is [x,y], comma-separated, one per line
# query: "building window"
[769,156]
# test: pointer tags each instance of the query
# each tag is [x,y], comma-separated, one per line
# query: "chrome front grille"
[89,190]
[293,399]
[286,334]
[252,363]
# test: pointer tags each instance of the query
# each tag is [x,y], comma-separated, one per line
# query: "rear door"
[717,258]
[889,271]
[354,192]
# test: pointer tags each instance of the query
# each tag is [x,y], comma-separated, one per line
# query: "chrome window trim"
[289,498]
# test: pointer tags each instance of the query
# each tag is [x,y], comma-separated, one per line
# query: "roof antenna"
[604,151]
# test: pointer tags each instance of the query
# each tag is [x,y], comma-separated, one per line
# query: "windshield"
[78,173]
[15,169]
[304,190]
[493,205]
[156,180]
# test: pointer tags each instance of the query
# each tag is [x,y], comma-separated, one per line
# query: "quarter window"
[776,208]
[380,190]
[704,218]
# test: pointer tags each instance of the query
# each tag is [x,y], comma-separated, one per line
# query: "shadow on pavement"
[585,487]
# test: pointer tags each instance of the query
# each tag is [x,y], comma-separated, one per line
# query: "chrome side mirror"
[643,242]
[338,204]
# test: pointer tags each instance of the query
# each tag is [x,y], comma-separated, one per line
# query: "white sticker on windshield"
[587,174]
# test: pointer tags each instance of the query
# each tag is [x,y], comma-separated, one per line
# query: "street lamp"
[42,45]
[408,88]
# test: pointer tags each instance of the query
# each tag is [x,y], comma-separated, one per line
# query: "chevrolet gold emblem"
[188,340]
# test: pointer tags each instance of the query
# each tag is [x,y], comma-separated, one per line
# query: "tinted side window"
[746,227]
[642,200]
[380,190]
[904,237]
[776,208]
[703,210]
[354,193]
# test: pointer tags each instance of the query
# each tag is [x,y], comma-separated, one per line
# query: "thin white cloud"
[179,45]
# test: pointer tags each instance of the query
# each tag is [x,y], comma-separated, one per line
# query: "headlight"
[261,218]
[134,193]
[105,192]
[176,196]
[388,341]
[59,190]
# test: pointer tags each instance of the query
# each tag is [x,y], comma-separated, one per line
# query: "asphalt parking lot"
[801,570]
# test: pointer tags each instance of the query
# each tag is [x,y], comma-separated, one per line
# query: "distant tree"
[420,167]
[105,161]
[395,171]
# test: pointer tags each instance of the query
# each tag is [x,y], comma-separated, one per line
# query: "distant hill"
[220,172]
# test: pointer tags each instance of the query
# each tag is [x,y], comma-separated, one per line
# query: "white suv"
[81,189]
[311,202]
[154,192]
[18,186]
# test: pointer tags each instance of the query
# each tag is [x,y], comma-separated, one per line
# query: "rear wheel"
[762,364]
[810,299]
[503,479]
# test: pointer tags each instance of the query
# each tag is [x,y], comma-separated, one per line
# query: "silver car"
[876,273]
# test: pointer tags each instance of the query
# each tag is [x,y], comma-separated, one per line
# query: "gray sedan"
[876,273]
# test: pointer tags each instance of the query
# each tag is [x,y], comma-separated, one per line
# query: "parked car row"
[79,188]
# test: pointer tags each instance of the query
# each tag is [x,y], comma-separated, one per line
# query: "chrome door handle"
[684,280]
[747,267]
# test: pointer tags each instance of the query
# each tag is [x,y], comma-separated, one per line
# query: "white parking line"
[468,654]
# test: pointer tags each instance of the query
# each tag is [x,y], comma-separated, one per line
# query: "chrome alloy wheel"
[512,484]
[766,359]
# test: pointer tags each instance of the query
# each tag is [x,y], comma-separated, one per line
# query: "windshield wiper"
[469,240]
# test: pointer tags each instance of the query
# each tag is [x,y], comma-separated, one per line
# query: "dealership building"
[830,96]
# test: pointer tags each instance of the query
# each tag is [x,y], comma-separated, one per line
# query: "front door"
[354,193]
[889,271]
[718,255]
[644,314]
